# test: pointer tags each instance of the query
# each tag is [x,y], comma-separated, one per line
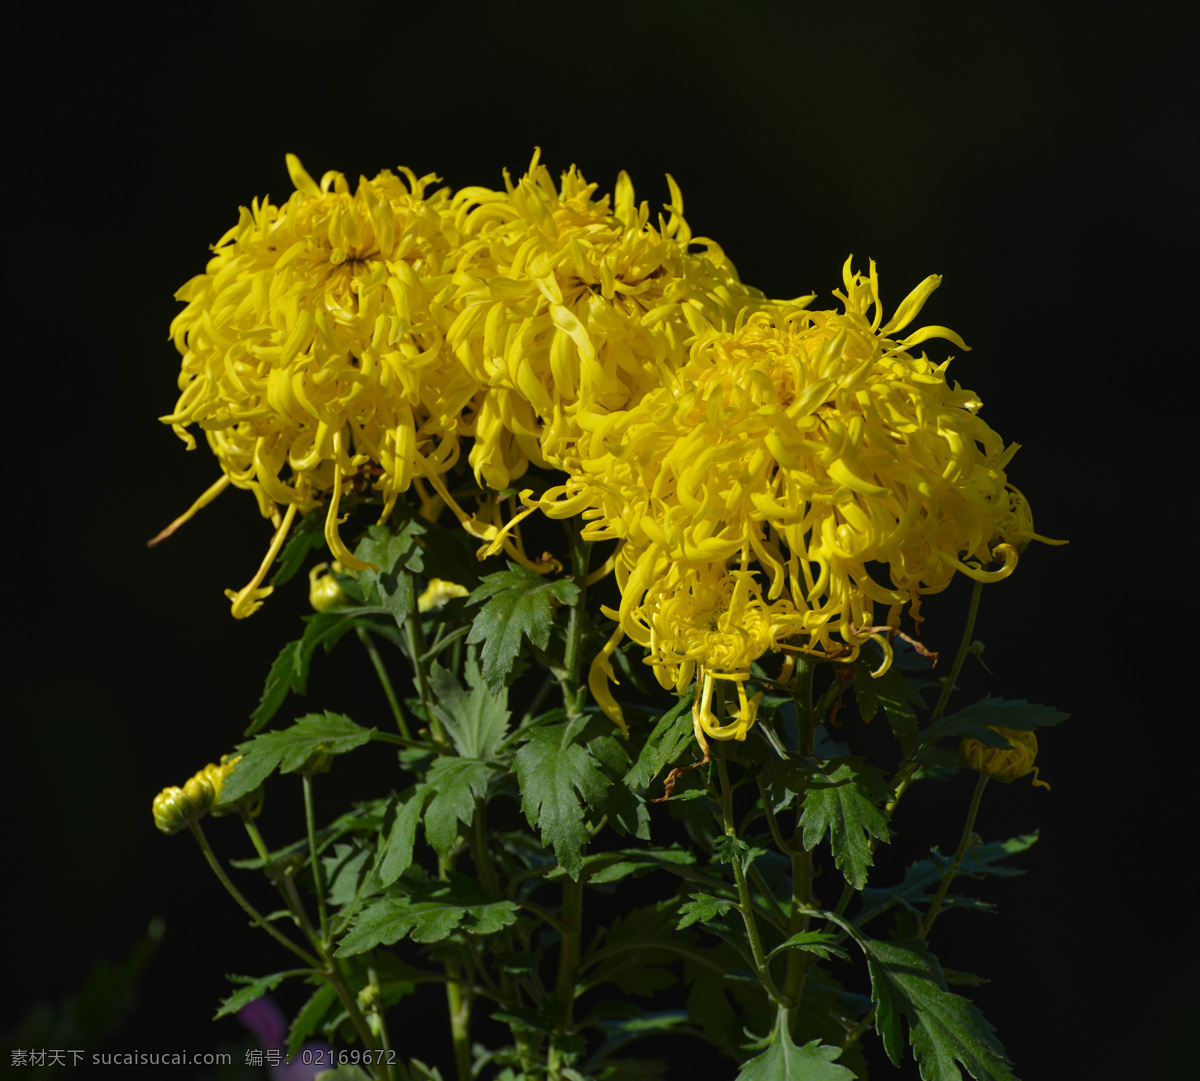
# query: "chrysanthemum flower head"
[313,351]
[572,305]
[814,448]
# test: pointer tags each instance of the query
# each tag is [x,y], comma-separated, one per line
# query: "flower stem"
[381,671]
[314,859]
[574,694]
[414,641]
[745,901]
[250,910]
[964,647]
[952,870]
[802,864]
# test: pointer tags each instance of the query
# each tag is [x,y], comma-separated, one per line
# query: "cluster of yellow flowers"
[752,457]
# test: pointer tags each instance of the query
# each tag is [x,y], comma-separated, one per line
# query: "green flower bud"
[324,592]
[1004,763]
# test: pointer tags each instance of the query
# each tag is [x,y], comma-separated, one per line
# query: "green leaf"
[516,605]
[784,1061]
[703,908]
[670,738]
[477,721]
[350,877]
[975,719]
[822,943]
[396,553]
[255,988]
[559,778]
[727,849]
[311,1014]
[845,802]
[943,1028]
[456,783]
[449,554]
[896,693]
[306,536]
[288,750]
[922,878]
[432,913]
[613,866]
[345,1072]
[289,672]
[630,953]
[396,852]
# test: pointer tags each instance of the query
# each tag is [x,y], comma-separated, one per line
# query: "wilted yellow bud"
[324,592]
[1004,763]
[438,592]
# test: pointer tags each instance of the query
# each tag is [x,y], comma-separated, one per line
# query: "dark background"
[1027,152]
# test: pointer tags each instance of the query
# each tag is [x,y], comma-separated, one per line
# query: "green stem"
[458,1000]
[952,870]
[745,901]
[802,861]
[314,859]
[381,671]
[249,909]
[414,640]
[574,696]
[964,647]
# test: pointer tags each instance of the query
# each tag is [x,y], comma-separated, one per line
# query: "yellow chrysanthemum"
[805,446]
[571,308]
[313,350]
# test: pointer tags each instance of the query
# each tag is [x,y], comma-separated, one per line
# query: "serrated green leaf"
[516,605]
[350,877]
[456,784]
[396,553]
[613,866]
[922,878]
[304,537]
[559,778]
[671,736]
[943,1028]
[703,908]
[844,801]
[289,748]
[896,693]
[430,914]
[727,849]
[821,943]
[311,1014]
[976,720]
[476,720]
[449,554]
[289,672]
[396,853]
[629,954]
[254,989]
[784,1061]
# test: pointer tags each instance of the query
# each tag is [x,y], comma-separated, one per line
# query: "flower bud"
[438,592]
[324,591]
[1004,763]
[174,807]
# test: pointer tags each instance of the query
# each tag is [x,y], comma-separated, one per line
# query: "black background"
[1029,153]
